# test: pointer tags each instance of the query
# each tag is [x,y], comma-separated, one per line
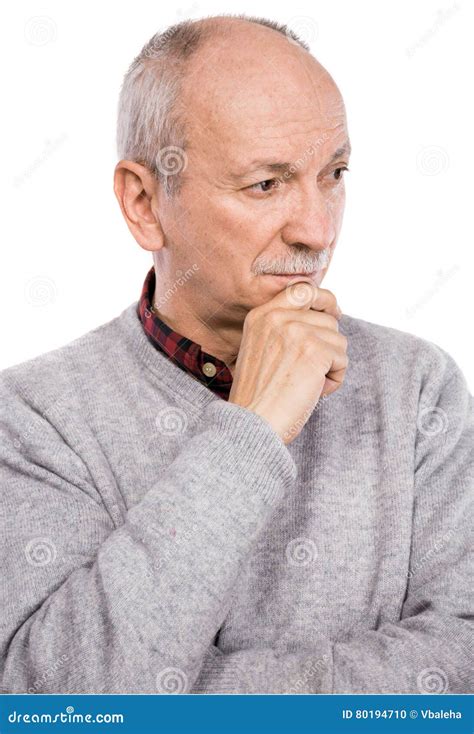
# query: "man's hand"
[291,353]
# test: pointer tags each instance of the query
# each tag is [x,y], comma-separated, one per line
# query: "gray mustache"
[301,265]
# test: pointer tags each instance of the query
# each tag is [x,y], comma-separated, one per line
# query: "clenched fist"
[290,355]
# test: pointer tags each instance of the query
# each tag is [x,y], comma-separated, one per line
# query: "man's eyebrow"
[279,168]
[261,165]
[346,149]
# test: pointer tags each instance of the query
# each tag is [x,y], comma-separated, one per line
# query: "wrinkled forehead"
[277,105]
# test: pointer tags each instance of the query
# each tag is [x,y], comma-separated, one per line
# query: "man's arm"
[87,607]
[431,648]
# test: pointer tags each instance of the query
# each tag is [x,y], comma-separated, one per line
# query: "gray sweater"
[158,539]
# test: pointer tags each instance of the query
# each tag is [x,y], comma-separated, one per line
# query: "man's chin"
[282,281]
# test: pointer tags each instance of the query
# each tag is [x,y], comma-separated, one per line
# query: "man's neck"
[221,340]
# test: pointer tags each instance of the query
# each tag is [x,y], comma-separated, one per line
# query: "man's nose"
[310,219]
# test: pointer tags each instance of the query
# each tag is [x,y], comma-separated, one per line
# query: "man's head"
[233,142]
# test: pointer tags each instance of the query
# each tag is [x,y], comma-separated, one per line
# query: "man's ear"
[135,189]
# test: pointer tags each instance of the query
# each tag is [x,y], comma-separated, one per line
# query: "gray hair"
[151,115]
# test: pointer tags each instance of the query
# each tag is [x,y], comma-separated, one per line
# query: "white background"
[404,258]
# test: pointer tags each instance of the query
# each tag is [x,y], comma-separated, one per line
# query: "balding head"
[153,105]
[246,80]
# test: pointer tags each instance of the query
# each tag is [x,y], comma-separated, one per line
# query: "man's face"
[236,218]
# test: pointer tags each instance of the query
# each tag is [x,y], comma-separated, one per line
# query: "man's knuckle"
[292,329]
[274,318]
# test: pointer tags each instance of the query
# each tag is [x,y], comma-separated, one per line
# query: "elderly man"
[230,487]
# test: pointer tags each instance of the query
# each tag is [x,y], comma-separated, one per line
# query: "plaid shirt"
[185,353]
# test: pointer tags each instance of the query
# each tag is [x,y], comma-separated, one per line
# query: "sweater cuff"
[250,449]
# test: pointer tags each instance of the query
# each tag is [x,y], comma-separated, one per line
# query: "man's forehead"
[274,107]
[259,135]
[270,114]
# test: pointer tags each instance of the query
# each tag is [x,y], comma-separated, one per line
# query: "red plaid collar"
[183,352]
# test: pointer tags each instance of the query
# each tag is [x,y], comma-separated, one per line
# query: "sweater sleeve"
[87,607]
[430,649]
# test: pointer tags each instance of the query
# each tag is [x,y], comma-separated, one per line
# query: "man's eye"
[339,171]
[273,182]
